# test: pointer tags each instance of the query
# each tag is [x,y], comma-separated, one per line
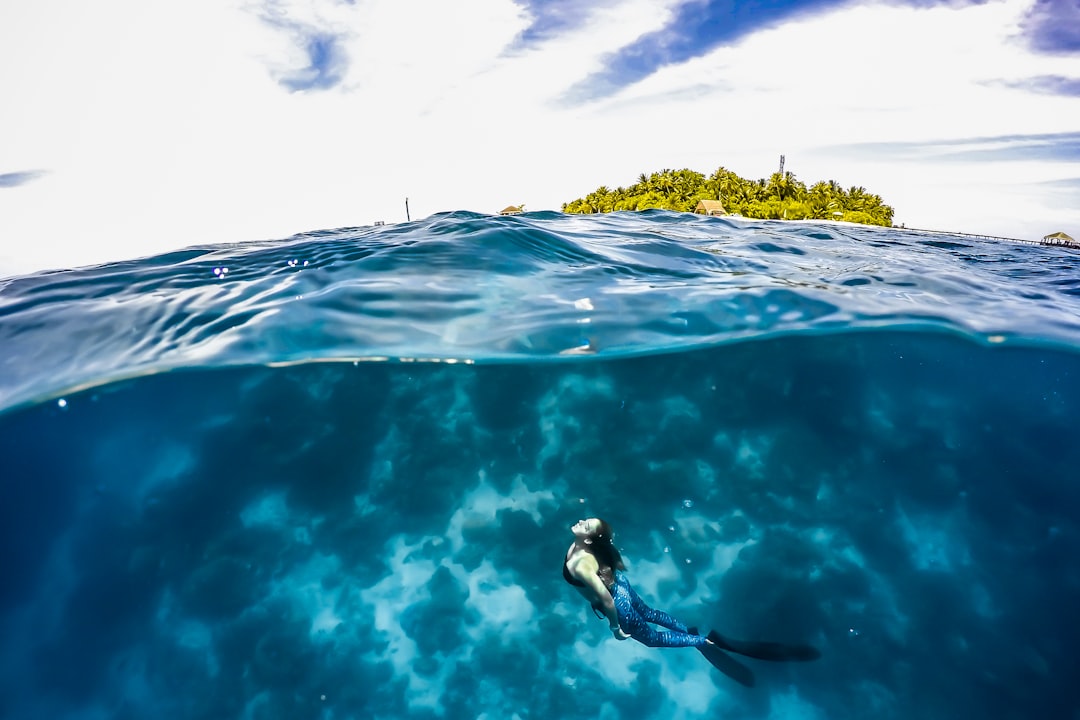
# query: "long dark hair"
[606,554]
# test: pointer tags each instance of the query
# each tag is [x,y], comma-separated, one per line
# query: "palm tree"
[779,196]
[784,187]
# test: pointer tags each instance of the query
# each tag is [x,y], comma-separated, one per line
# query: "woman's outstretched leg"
[636,623]
[654,616]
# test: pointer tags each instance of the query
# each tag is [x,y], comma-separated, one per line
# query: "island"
[780,197]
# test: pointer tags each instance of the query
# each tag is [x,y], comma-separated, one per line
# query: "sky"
[133,127]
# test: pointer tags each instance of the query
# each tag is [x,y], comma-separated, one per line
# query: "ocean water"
[333,476]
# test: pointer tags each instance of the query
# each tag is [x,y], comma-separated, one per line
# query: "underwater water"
[333,476]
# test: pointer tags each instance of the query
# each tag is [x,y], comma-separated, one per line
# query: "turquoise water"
[859,438]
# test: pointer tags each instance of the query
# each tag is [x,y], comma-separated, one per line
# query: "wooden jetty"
[1058,239]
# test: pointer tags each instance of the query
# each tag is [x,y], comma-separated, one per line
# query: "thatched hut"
[513,210]
[1059,238]
[710,207]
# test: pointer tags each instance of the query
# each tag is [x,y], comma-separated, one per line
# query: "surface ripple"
[470,287]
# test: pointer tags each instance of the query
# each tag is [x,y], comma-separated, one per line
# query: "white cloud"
[160,125]
[872,74]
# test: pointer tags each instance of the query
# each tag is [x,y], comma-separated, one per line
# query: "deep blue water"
[859,438]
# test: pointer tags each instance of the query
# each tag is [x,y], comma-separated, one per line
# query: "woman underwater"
[592,566]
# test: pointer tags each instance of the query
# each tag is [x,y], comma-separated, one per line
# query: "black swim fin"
[727,665]
[777,652]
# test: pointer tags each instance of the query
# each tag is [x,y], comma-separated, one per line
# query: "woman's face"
[586,528]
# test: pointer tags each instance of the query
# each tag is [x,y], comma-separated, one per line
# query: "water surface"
[859,438]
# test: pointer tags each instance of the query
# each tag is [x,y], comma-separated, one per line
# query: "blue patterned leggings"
[635,616]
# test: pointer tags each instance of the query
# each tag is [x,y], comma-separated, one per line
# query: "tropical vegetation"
[780,197]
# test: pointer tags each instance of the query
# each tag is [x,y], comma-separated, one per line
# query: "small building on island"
[1060,238]
[710,207]
[513,209]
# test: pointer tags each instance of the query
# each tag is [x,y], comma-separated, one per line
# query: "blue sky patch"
[1051,147]
[695,29]
[327,63]
[698,27]
[15,179]
[551,18]
[1047,85]
[327,60]
[1053,26]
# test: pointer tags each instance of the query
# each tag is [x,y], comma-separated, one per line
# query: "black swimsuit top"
[604,573]
[597,608]
[570,578]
